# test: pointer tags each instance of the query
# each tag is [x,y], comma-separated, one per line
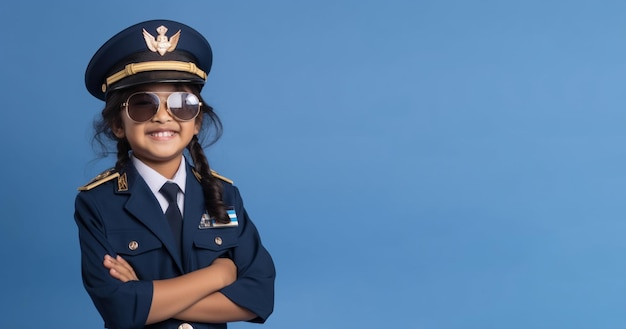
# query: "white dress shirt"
[155,181]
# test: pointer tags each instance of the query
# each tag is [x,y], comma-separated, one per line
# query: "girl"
[165,241]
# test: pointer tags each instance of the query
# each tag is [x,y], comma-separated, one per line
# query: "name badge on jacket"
[207,222]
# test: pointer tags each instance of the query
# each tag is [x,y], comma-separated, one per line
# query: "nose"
[162,115]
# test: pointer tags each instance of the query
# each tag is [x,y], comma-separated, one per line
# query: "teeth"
[163,134]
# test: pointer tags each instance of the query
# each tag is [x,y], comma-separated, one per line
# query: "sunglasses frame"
[167,107]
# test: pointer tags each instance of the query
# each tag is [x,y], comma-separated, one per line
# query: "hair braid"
[104,126]
[211,186]
[123,147]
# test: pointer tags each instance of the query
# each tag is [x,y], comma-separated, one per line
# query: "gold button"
[133,245]
[185,326]
[218,241]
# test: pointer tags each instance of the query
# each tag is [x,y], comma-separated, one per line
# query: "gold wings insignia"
[150,41]
[174,41]
[161,43]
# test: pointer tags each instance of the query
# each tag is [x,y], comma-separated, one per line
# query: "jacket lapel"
[144,206]
[194,208]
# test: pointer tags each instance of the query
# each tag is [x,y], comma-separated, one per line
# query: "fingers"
[119,268]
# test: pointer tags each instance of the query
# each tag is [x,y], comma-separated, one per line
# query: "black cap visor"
[156,77]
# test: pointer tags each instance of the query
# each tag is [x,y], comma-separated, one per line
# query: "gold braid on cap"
[135,68]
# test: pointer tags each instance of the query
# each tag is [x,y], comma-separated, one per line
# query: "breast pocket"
[142,250]
[210,244]
[133,243]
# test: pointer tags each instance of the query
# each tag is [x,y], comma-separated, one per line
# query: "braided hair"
[211,124]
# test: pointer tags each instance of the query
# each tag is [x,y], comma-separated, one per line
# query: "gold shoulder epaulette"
[103,177]
[214,173]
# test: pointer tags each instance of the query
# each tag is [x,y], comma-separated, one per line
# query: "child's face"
[161,140]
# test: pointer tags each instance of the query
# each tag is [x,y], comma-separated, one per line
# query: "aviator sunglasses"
[142,106]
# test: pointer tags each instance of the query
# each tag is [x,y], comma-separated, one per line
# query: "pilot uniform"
[118,214]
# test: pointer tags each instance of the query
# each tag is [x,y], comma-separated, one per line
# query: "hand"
[227,270]
[120,269]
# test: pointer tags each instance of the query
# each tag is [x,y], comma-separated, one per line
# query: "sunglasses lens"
[142,106]
[185,106]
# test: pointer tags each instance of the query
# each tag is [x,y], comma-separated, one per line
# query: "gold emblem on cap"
[161,43]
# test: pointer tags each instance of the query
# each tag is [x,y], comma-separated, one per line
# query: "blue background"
[410,164]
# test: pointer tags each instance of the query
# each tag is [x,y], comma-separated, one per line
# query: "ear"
[198,125]
[118,131]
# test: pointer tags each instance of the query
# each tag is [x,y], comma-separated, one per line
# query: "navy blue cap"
[149,52]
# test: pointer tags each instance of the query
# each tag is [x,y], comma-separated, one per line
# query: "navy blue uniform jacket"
[121,216]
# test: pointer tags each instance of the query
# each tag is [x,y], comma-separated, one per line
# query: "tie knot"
[169,191]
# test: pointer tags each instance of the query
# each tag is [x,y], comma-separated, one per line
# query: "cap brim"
[156,77]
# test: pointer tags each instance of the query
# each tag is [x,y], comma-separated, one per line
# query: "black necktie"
[173,215]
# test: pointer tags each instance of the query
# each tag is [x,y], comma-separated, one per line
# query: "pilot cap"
[156,51]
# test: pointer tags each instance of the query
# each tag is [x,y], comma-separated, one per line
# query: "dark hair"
[211,130]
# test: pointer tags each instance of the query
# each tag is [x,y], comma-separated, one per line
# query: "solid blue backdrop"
[409,164]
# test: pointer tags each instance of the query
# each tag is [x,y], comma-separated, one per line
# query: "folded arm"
[190,297]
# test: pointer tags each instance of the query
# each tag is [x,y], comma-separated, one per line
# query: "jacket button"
[218,241]
[185,326]
[133,245]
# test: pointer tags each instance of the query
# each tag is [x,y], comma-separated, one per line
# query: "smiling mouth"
[160,134]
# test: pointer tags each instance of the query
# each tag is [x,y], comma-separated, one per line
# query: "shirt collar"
[155,180]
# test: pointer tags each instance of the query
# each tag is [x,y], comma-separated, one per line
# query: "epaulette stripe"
[98,182]
[215,174]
